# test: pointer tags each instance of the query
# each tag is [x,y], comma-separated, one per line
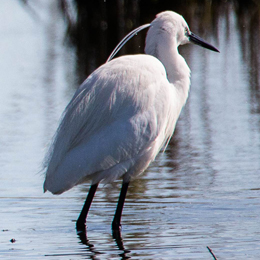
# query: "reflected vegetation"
[248,24]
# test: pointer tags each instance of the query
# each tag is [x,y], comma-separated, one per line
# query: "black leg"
[81,222]
[116,224]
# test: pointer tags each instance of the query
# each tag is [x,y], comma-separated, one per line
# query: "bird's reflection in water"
[91,248]
[120,244]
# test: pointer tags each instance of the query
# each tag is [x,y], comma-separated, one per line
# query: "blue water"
[203,191]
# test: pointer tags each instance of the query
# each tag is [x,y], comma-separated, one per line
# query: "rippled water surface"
[202,192]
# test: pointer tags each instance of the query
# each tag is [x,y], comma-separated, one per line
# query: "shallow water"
[203,191]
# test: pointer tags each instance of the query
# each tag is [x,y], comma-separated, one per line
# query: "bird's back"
[115,124]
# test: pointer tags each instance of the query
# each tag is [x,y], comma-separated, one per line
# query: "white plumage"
[124,113]
[116,123]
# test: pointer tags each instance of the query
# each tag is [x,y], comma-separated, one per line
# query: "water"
[203,191]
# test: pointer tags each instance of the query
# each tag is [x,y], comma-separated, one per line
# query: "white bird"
[123,114]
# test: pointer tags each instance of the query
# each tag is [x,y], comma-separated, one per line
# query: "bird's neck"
[178,72]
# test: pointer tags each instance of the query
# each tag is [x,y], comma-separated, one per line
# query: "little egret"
[123,114]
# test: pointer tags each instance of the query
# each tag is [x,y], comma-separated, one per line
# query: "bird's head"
[173,27]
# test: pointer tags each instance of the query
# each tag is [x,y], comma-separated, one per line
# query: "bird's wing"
[117,116]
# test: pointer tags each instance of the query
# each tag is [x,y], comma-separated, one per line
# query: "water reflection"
[89,247]
[120,244]
[248,21]
[122,252]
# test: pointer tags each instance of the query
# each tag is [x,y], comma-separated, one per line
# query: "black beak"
[197,40]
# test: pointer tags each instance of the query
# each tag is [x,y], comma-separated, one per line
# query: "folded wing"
[113,126]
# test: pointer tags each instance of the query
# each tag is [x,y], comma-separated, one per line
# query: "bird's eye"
[187,31]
